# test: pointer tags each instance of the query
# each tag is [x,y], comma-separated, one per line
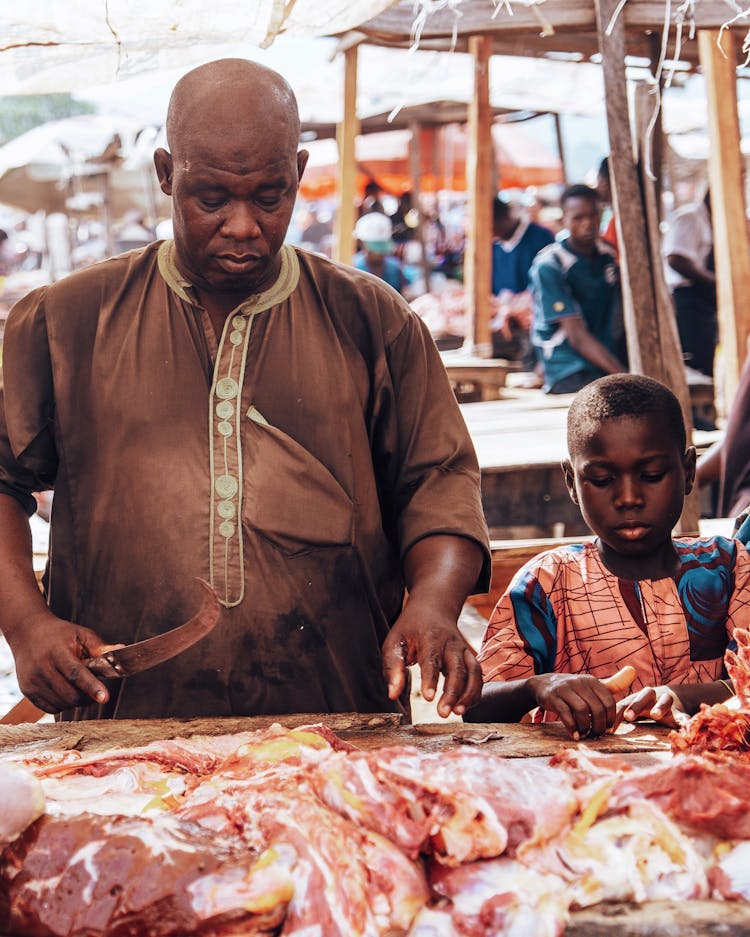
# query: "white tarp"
[51,45]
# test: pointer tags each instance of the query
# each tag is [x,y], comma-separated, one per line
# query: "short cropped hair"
[578,191]
[500,209]
[619,395]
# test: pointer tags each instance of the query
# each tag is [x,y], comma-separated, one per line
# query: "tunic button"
[226,509]
[226,529]
[239,323]
[226,388]
[226,486]
[236,338]
[224,428]
[225,410]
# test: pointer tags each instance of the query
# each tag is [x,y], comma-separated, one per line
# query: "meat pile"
[295,832]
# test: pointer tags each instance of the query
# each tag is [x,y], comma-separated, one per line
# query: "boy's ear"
[570,480]
[688,463]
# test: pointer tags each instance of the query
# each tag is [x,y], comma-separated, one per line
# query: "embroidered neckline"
[280,290]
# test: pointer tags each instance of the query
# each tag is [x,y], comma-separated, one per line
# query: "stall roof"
[546,28]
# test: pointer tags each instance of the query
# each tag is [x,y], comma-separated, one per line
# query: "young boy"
[574,615]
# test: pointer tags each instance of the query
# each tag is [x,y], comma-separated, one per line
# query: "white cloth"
[690,235]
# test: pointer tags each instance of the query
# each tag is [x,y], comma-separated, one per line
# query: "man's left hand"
[431,639]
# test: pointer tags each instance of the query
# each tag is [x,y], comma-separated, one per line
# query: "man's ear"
[163,163]
[302,158]
[688,463]
[570,480]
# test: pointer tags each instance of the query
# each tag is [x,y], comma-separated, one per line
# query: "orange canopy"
[521,161]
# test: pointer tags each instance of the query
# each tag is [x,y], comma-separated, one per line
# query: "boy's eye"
[600,482]
[653,476]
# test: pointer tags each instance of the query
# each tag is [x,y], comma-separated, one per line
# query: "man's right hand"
[50,656]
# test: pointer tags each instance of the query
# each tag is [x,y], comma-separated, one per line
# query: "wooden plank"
[510,740]
[346,137]
[725,171]
[672,365]
[479,172]
[662,919]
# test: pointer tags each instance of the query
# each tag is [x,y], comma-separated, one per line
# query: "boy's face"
[629,479]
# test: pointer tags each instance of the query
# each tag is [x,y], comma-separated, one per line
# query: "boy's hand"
[659,703]
[584,705]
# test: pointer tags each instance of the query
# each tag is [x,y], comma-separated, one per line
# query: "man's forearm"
[21,594]
[443,569]
[590,348]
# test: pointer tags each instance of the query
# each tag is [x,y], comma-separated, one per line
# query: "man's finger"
[456,676]
[473,690]
[394,666]
[430,667]
[79,676]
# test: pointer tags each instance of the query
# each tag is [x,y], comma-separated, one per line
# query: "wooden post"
[727,202]
[651,340]
[346,137]
[479,160]
[415,163]
[560,146]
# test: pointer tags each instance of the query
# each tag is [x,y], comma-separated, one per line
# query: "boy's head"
[629,469]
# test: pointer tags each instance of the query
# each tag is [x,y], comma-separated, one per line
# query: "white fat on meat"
[22,800]
[729,875]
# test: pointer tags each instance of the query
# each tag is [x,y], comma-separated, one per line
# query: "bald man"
[224,406]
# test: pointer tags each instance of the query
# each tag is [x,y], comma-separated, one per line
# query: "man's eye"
[269,202]
[212,203]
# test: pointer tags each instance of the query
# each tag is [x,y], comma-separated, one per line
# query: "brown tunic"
[293,466]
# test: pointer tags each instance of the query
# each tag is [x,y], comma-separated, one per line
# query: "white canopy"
[48,45]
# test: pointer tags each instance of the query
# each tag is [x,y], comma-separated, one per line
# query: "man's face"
[233,192]
[581,216]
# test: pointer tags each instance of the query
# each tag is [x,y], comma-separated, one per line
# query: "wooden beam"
[653,347]
[479,172]
[560,146]
[346,137]
[415,163]
[725,172]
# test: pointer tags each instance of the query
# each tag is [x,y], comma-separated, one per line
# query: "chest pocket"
[289,496]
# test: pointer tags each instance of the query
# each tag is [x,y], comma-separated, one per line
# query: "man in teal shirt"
[577,328]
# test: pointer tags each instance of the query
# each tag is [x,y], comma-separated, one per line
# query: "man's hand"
[50,657]
[420,636]
[440,571]
[659,703]
[584,705]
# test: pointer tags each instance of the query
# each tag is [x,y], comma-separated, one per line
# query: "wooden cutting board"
[367,731]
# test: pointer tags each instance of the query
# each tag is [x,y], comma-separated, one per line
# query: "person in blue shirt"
[374,232]
[515,243]
[577,326]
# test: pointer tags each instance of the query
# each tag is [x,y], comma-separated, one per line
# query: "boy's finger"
[621,681]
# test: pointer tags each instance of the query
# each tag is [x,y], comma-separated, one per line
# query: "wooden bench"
[475,379]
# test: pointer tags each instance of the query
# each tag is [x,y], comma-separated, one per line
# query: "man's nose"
[240,222]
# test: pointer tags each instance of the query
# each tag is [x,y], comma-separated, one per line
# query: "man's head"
[233,171]
[603,186]
[375,231]
[629,469]
[504,219]
[581,216]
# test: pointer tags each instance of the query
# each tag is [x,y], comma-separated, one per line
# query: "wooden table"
[643,745]
[475,378]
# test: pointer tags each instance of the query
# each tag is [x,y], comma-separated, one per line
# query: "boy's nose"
[628,493]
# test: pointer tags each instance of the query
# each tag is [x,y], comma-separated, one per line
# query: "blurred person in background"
[577,326]
[687,248]
[515,243]
[375,234]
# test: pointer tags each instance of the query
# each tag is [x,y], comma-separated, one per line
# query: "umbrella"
[89,162]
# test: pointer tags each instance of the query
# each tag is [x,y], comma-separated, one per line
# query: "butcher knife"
[133,658]
[130,659]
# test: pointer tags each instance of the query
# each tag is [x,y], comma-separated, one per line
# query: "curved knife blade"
[133,658]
